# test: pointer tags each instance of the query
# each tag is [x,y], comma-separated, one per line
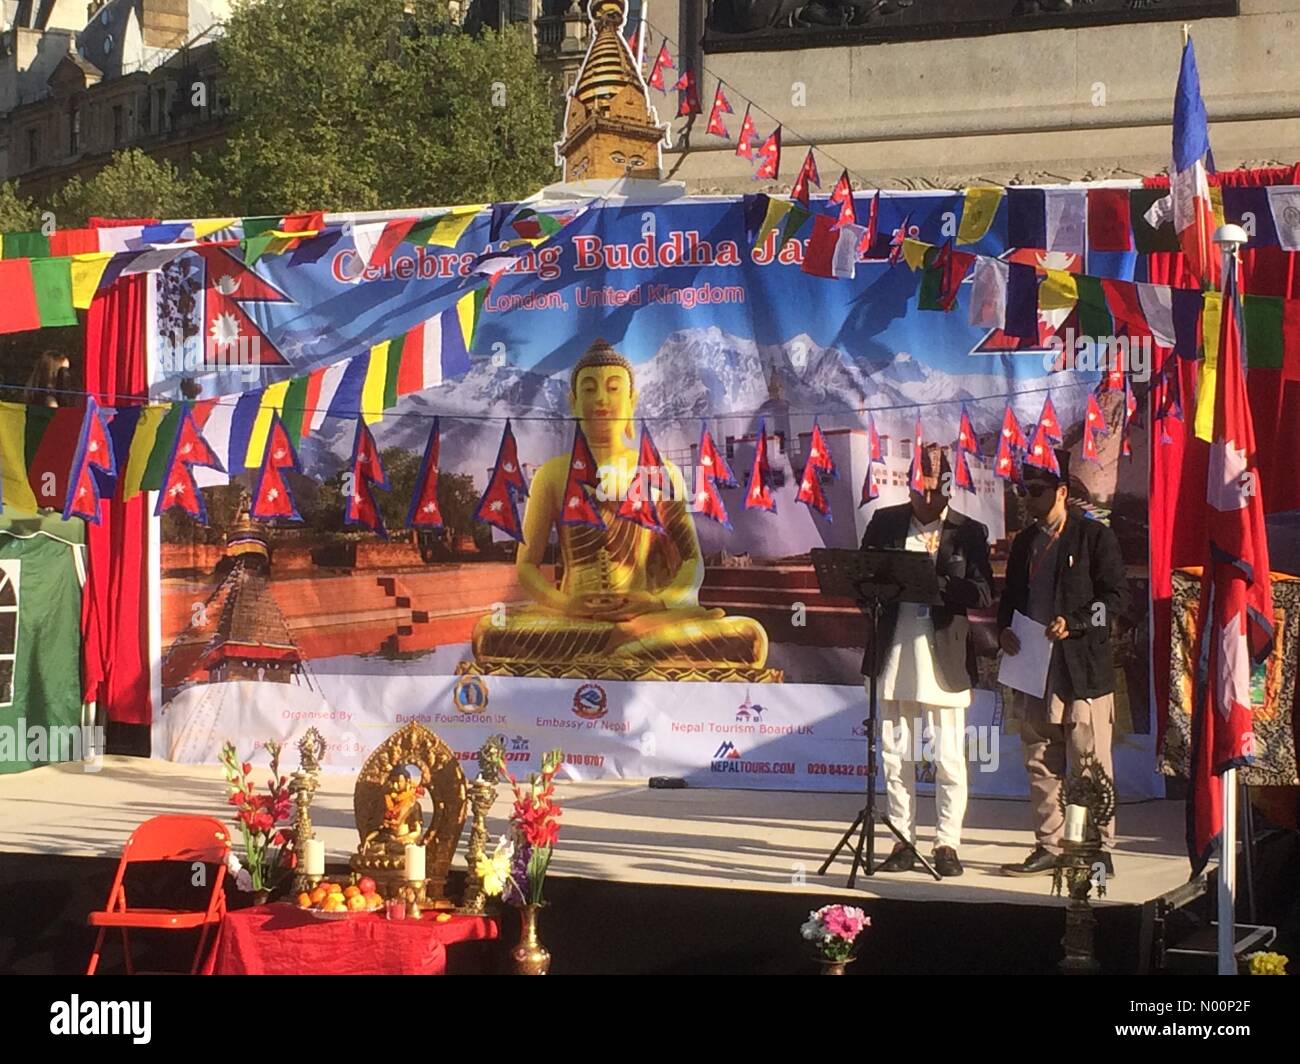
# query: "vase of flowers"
[516,869]
[833,930]
[267,854]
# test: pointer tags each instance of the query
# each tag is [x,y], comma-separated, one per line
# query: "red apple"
[367,885]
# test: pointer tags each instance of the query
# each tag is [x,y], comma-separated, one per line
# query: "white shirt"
[908,671]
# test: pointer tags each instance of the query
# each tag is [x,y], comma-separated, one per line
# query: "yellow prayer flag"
[914,252]
[87,269]
[977,214]
[1059,291]
[207,226]
[448,230]
[1211,315]
[18,495]
[272,402]
[372,388]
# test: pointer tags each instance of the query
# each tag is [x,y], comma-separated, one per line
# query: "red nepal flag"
[1130,409]
[713,464]
[707,499]
[189,449]
[271,497]
[94,452]
[961,474]
[721,106]
[1049,422]
[758,493]
[1041,453]
[770,154]
[662,61]
[811,493]
[748,134]
[499,506]
[639,505]
[688,94]
[367,470]
[424,511]
[1011,440]
[967,440]
[1094,421]
[819,455]
[579,507]
[808,175]
[870,489]
[916,479]
[842,197]
[1235,621]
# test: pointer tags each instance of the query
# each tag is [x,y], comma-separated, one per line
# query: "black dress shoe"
[946,862]
[901,860]
[1038,863]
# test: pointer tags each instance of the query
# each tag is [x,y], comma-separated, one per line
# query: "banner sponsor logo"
[470,694]
[590,702]
[727,758]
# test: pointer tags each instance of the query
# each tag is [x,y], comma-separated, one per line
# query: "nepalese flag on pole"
[1011,444]
[870,489]
[663,61]
[272,500]
[842,197]
[499,506]
[758,492]
[1094,421]
[189,451]
[1189,185]
[721,106]
[639,504]
[807,176]
[748,134]
[1235,622]
[579,506]
[365,474]
[916,476]
[424,511]
[94,453]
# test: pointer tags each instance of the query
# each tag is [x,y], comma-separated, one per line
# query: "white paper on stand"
[1027,671]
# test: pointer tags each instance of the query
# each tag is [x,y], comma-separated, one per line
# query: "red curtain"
[115,607]
[1178,468]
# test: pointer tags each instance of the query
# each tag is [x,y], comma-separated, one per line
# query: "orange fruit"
[357,903]
[304,901]
[318,895]
[373,901]
[351,892]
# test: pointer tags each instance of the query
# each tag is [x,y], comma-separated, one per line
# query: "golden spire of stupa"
[610,129]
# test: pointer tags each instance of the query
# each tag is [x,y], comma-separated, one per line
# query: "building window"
[33,147]
[74,131]
[160,109]
[119,125]
[9,575]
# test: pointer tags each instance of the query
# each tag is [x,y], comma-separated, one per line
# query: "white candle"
[414,863]
[1076,820]
[313,857]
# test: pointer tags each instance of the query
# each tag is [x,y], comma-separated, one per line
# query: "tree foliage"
[132,185]
[365,104]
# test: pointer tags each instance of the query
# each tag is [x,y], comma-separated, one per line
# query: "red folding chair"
[188,839]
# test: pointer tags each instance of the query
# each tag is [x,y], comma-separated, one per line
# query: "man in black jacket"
[1065,572]
[927,661]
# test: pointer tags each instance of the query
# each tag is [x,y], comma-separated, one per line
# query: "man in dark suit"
[1065,572]
[927,660]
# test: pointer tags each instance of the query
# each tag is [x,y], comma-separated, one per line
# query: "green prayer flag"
[155,470]
[295,403]
[26,246]
[1263,317]
[52,282]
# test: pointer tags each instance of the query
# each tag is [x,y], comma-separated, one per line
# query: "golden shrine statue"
[627,603]
[389,817]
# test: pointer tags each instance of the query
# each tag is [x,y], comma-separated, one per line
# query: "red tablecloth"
[284,940]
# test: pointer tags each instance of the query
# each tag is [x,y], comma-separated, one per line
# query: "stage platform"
[747,857]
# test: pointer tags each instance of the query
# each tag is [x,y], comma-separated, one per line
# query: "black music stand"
[873,578]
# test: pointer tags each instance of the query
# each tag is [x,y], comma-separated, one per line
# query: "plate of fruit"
[334,901]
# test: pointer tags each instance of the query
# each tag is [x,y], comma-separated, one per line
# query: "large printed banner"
[645,615]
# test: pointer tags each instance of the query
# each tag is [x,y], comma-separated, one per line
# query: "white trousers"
[908,732]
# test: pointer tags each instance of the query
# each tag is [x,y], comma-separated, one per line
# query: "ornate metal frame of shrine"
[766,25]
[1079,869]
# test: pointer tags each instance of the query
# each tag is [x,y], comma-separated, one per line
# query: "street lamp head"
[1231,236]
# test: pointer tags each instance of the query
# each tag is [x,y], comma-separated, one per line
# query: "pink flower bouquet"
[834,929]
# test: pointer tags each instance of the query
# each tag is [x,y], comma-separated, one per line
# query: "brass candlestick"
[302,786]
[1080,867]
[483,793]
